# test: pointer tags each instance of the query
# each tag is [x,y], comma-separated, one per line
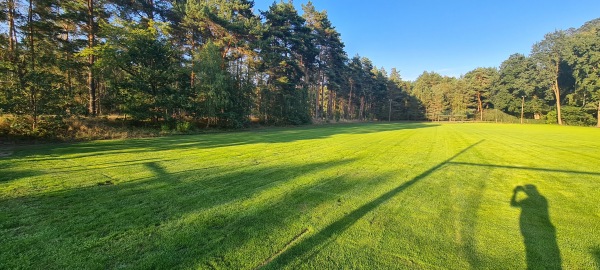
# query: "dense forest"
[221,63]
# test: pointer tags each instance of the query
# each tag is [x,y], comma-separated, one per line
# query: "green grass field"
[400,195]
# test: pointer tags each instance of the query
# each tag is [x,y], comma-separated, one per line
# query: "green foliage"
[213,93]
[517,80]
[218,95]
[165,127]
[573,116]
[219,63]
[183,126]
[495,115]
[147,68]
[285,46]
[563,69]
[15,127]
[21,127]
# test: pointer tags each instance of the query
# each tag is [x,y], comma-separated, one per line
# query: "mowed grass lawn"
[399,195]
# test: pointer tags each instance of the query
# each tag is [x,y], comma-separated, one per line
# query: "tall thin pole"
[522,107]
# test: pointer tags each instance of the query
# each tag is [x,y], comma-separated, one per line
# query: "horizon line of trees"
[559,81]
[220,63]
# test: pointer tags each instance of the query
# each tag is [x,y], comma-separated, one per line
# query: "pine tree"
[285,47]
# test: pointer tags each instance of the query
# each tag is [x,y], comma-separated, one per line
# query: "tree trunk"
[350,100]
[151,11]
[335,105]
[522,108]
[390,111]
[68,58]
[91,36]
[12,39]
[479,106]
[362,108]
[194,47]
[330,105]
[317,101]
[32,88]
[557,95]
[100,93]
[322,79]
[598,114]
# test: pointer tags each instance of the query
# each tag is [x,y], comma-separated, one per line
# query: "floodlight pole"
[522,107]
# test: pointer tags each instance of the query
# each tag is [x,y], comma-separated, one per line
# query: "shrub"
[551,117]
[54,127]
[495,115]
[572,116]
[183,126]
[165,127]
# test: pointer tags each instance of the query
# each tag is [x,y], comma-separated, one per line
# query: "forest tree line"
[221,63]
[559,82]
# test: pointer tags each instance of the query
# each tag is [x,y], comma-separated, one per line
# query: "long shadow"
[533,142]
[313,244]
[71,152]
[8,175]
[159,172]
[277,220]
[596,253]
[524,168]
[468,230]
[539,235]
[109,219]
[208,141]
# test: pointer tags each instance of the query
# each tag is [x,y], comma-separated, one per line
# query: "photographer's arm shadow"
[513,199]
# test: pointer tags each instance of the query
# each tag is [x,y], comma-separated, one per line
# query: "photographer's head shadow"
[539,235]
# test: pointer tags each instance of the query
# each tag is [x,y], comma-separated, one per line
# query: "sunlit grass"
[400,195]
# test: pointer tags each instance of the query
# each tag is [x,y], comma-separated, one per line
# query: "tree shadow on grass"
[539,235]
[111,225]
[9,175]
[526,168]
[160,172]
[312,245]
[253,238]
[208,141]
[469,220]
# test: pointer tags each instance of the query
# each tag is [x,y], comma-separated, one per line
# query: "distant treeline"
[220,63]
[558,82]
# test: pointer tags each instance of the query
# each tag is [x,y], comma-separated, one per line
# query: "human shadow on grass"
[109,217]
[539,235]
[312,245]
[216,140]
[596,253]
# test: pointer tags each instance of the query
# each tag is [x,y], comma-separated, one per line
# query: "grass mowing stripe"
[348,220]
[234,200]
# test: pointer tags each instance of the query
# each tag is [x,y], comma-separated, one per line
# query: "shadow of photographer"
[539,235]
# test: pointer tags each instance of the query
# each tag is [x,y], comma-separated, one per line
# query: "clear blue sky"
[448,37]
